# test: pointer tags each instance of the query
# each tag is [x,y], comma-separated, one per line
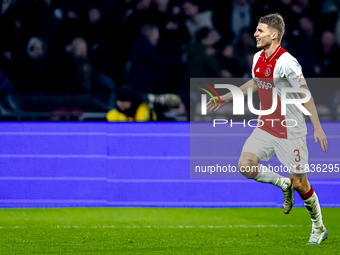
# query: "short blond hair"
[276,22]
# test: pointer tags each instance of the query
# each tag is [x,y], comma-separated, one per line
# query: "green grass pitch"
[164,231]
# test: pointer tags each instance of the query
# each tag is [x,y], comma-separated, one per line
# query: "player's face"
[263,36]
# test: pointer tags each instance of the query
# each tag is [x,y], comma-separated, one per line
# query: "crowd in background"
[74,55]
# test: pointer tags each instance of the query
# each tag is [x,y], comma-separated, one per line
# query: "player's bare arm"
[229,97]
[319,134]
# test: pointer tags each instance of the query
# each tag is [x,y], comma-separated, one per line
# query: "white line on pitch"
[147,226]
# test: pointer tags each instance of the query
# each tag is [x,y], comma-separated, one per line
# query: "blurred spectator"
[196,20]
[6,86]
[5,5]
[13,37]
[230,67]
[100,38]
[302,44]
[79,67]
[130,106]
[301,8]
[329,14]
[33,68]
[135,106]
[142,12]
[109,42]
[263,7]
[284,8]
[232,17]
[7,102]
[337,25]
[74,19]
[148,69]
[244,45]
[202,60]
[336,105]
[79,73]
[174,33]
[241,16]
[307,28]
[79,83]
[43,18]
[162,6]
[145,11]
[328,55]
[247,74]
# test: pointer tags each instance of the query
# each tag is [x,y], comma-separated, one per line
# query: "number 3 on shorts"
[297,154]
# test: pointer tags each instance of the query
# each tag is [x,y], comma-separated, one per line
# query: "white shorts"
[292,153]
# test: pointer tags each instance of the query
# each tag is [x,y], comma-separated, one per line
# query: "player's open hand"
[212,106]
[320,136]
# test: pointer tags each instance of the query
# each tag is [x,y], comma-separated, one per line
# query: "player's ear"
[274,35]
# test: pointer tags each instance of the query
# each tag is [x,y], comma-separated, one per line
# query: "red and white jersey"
[278,71]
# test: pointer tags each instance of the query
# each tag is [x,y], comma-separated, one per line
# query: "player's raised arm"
[229,97]
[319,135]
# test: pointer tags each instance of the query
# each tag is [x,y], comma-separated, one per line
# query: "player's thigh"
[293,154]
[258,144]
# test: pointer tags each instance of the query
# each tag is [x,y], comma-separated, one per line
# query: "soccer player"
[274,67]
